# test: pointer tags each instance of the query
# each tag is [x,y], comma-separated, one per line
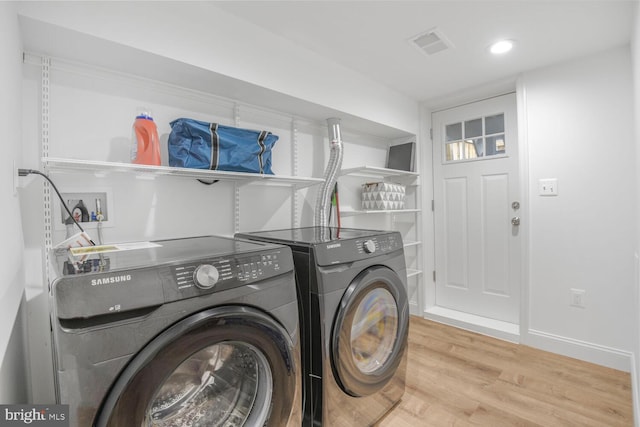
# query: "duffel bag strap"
[263,135]
[215,150]
[215,146]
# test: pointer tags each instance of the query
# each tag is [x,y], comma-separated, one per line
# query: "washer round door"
[227,366]
[370,331]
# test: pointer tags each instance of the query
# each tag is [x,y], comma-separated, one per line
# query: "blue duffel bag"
[202,145]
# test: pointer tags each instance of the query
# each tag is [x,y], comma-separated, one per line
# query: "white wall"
[635,56]
[580,131]
[12,366]
[232,47]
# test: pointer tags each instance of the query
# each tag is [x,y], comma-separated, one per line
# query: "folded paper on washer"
[115,247]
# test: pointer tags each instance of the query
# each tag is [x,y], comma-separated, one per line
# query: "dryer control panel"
[349,250]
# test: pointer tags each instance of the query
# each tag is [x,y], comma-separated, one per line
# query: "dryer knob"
[369,246]
[206,276]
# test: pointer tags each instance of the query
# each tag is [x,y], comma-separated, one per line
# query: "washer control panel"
[228,272]
[174,270]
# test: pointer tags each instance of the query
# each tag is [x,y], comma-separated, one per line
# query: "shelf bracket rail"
[45,93]
[295,197]
[236,208]
[236,186]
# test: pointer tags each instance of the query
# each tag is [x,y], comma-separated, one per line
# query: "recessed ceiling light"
[503,46]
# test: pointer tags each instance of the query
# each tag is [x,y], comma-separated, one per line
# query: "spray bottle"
[145,148]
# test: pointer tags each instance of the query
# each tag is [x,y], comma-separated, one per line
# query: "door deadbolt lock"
[515,205]
[515,220]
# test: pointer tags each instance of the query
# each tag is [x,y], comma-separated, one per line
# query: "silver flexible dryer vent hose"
[323,203]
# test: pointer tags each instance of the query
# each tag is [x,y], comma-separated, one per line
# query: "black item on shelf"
[401,156]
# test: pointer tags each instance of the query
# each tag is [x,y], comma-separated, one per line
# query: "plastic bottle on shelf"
[145,149]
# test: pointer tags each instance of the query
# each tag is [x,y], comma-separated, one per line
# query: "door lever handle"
[515,220]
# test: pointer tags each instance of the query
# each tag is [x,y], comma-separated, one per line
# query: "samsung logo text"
[110,280]
[334,245]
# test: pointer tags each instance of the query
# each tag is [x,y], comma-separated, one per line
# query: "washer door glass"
[221,385]
[374,330]
[224,366]
[369,334]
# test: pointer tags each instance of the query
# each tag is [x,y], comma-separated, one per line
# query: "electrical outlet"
[578,297]
[548,187]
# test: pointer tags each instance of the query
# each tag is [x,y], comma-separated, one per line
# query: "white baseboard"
[482,325]
[601,355]
[635,392]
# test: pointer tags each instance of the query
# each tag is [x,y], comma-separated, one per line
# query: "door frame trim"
[525,206]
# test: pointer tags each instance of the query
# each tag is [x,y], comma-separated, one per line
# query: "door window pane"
[454,132]
[494,124]
[455,151]
[495,145]
[475,148]
[473,128]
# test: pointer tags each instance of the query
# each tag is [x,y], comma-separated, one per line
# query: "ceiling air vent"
[431,42]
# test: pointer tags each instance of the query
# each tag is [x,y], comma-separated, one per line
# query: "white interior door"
[476,199]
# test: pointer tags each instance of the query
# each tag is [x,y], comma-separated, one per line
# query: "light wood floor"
[459,378]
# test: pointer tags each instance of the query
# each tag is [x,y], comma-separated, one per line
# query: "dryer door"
[227,366]
[369,334]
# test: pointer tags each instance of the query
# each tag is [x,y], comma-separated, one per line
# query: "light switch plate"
[548,187]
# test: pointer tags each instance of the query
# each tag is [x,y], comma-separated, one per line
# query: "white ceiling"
[372,37]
